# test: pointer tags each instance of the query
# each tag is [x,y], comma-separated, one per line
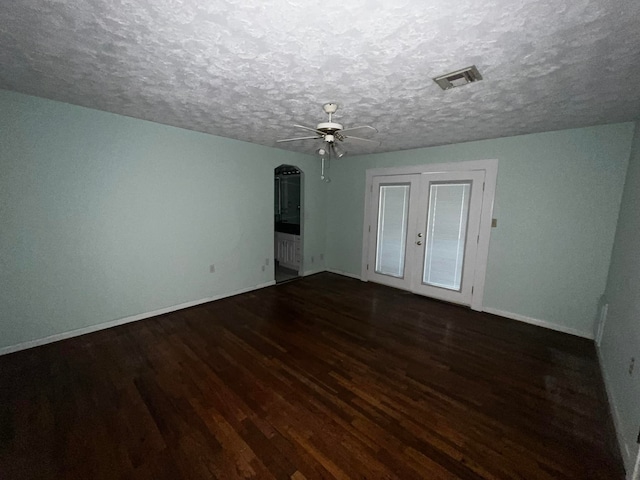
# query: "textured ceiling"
[249,70]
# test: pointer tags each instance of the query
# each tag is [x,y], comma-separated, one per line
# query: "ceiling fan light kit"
[332,134]
[337,152]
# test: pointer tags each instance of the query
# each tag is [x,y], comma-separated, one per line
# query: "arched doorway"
[288,222]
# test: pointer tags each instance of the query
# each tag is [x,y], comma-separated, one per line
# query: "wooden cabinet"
[287,250]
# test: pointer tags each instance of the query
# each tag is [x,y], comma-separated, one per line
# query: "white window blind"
[392,229]
[446,234]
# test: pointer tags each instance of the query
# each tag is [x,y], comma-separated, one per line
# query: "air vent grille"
[458,78]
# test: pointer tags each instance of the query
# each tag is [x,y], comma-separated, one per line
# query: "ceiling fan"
[333,134]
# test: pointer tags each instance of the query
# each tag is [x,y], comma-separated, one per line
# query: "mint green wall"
[104,216]
[557,203]
[621,338]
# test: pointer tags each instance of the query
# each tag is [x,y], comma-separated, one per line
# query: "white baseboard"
[306,273]
[122,321]
[617,421]
[602,320]
[344,274]
[538,322]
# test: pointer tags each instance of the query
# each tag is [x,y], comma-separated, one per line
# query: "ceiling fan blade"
[298,138]
[310,129]
[358,130]
[361,140]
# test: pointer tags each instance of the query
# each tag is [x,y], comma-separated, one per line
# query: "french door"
[424,233]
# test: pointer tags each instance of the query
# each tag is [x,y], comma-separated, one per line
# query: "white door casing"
[486,189]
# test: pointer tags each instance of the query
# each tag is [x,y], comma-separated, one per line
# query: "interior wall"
[557,201]
[621,337]
[103,217]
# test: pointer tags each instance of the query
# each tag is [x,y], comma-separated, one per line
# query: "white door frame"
[302,222]
[490,167]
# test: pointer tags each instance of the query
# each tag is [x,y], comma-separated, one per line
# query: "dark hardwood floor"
[324,377]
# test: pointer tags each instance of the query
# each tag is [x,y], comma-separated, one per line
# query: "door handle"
[419,242]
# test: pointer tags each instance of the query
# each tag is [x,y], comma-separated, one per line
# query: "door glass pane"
[446,234]
[393,211]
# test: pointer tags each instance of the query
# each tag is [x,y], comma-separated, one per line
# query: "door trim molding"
[490,167]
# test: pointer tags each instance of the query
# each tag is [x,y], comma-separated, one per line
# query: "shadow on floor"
[285,274]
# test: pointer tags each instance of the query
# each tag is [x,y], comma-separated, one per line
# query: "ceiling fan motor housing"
[329,127]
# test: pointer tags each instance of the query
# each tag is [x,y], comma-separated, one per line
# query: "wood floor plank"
[324,377]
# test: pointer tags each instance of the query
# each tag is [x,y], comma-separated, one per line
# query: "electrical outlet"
[632,365]
[263,267]
[266,262]
[212,268]
[322,256]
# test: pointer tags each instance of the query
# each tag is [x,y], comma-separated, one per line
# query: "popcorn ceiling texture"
[249,70]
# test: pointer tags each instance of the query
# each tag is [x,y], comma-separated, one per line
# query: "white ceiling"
[250,69]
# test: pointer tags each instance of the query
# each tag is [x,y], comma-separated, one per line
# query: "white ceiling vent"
[458,78]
